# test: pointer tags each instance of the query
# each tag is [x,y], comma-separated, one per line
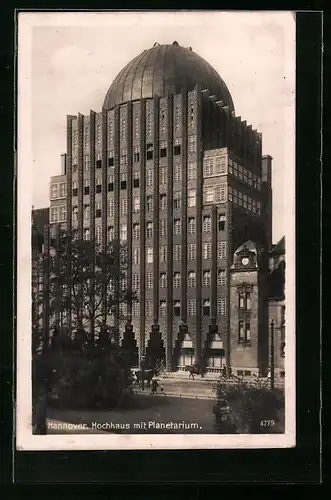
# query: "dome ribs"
[167,69]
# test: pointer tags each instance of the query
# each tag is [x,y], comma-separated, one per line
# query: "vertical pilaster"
[104,205]
[213,267]
[69,203]
[184,209]
[80,166]
[142,225]
[170,304]
[156,214]
[199,204]
[129,213]
[117,206]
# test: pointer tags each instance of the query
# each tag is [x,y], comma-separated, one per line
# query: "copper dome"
[162,69]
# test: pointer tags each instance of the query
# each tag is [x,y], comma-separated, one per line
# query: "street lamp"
[272,355]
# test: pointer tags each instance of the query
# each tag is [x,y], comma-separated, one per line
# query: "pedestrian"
[161,389]
[269,373]
[155,385]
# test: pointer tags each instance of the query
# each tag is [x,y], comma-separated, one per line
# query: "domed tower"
[167,167]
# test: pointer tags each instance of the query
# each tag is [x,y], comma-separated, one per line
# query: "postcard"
[155,230]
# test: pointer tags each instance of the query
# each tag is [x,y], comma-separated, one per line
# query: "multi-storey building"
[169,168]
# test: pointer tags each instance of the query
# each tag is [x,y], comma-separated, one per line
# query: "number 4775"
[267,423]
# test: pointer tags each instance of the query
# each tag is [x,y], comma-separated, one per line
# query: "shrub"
[248,408]
[88,380]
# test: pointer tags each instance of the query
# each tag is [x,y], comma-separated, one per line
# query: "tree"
[87,286]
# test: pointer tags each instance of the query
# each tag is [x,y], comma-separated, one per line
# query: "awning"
[216,352]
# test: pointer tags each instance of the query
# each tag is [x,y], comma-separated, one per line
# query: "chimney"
[63,164]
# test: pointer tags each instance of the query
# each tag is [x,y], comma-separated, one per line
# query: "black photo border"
[301,464]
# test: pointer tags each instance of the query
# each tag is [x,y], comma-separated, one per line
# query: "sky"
[74,57]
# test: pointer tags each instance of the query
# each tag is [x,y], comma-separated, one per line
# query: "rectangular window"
[136,154]
[163,202]
[136,204]
[221,250]
[163,175]
[163,253]
[177,173]
[86,234]
[110,211]
[149,255]
[241,332]
[135,309]
[206,307]
[191,225]
[177,308]
[208,195]
[123,181]
[177,226]
[206,224]
[221,278]
[149,151]
[248,332]
[86,212]
[149,203]
[136,255]
[191,307]
[206,278]
[149,177]
[209,167]
[221,307]
[206,250]
[177,147]
[177,253]
[191,197]
[62,213]
[149,281]
[110,233]
[98,164]
[176,280]
[241,301]
[163,149]
[135,281]
[136,176]
[124,206]
[136,231]
[191,279]
[191,171]
[220,165]
[177,200]
[163,227]
[248,301]
[54,191]
[163,308]
[74,213]
[163,280]
[63,189]
[123,232]
[111,159]
[192,144]
[98,234]
[220,193]
[149,230]
[221,222]
[191,251]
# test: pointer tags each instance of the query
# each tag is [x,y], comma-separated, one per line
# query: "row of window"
[191,308]
[244,175]
[243,200]
[176,280]
[214,166]
[214,194]
[58,214]
[58,190]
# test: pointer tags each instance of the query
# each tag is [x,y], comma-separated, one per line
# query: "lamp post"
[272,355]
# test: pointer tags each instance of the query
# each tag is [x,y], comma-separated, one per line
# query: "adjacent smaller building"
[276,287]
